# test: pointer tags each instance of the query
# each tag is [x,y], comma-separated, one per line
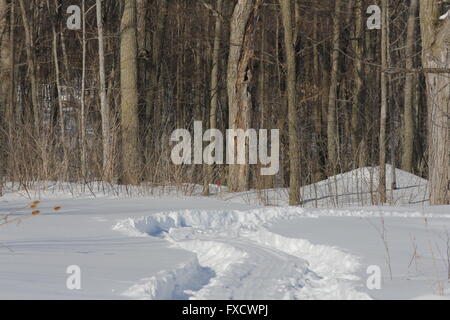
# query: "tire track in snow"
[264,273]
[238,258]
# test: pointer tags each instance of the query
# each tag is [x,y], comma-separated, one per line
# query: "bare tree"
[357,102]
[408,135]
[59,94]
[435,55]
[214,96]
[294,149]
[129,94]
[320,79]
[153,113]
[239,78]
[106,128]
[83,97]
[384,100]
[332,135]
[31,61]
[5,58]
[5,79]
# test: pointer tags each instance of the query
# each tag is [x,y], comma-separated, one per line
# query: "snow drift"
[247,261]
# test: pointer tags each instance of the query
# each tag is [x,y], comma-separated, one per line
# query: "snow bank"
[204,220]
[354,188]
[248,261]
[172,284]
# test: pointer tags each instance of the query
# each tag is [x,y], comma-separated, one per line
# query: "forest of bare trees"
[99,101]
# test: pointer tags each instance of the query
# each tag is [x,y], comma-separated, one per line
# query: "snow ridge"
[238,258]
[171,284]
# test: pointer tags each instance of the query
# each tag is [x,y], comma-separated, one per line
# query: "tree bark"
[153,113]
[5,59]
[29,45]
[293,123]
[5,79]
[384,101]
[238,81]
[129,95]
[214,95]
[104,107]
[82,98]
[332,98]
[435,54]
[59,91]
[357,103]
[408,134]
[12,91]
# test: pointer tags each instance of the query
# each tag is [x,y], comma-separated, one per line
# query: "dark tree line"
[100,102]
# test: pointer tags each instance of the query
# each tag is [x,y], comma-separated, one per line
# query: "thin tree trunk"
[332,99]
[318,108]
[357,102]
[179,71]
[104,107]
[384,101]
[408,134]
[214,98]
[199,114]
[129,95]
[266,182]
[5,79]
[393,113]
[83,96]
[11,93]
[317,76]
[29,45]
[5,59]
[154,110]
[59,91]
[68,76]
[293,123]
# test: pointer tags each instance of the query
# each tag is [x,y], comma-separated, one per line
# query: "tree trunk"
[214,98]
[129,95]
[332,135]
[104,107]
[408,134]
[436,48]
[11,94]
[384,101]
[317,111]
[357,103]
[154,110]
[58,89]
[29,45]
[294,148]
[82,99]
[142,45]
[5,59]
[179,80]
[238,81]
[5,78]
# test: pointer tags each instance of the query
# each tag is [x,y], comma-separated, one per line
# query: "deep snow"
[130,244]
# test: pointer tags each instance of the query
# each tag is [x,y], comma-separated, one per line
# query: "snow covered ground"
[354,188]
[130,244]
